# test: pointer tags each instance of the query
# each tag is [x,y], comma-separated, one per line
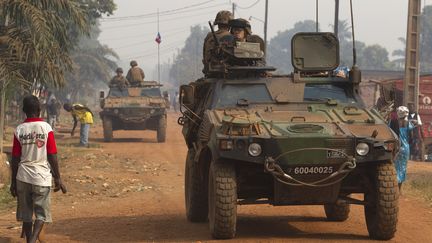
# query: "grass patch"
[420,184]
[6,199]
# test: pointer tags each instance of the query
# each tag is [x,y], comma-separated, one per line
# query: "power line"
[166,12]
[152,22]
[174,13]
[253,4]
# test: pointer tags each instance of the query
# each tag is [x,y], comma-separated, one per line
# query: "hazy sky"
[376,22]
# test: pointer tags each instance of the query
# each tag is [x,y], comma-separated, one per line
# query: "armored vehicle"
[299,139]
[140,107]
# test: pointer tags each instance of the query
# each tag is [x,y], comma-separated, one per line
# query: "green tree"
[93,67]
[375,57]
[426,39]
[399,62]
[188,66]
[279,47]
[34,45]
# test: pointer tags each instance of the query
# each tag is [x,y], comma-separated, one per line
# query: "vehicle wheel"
[381,209]
[107,129]
[335,212]
[196,200]
[222,199]
[161,131]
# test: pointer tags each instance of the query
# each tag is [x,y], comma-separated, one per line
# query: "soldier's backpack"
[136,75]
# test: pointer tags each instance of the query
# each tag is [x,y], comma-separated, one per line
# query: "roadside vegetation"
[419,184]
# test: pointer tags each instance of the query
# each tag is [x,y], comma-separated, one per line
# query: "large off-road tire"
[107,129]
[196,200]
[161,130]
[222,198]
[337,212]
[381,209]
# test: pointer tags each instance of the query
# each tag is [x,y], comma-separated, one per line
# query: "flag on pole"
[158,38]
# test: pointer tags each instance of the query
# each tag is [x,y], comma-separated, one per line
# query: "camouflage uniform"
[119,80]
[249,37]
[221,19]
[135,74]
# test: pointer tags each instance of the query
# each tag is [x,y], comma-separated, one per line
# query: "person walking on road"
[402,127]
[52,112]
[84,115]
[34,164]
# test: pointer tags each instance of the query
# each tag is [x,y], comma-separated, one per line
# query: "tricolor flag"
[158,38]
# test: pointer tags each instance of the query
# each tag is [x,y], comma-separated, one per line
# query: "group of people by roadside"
[407,124]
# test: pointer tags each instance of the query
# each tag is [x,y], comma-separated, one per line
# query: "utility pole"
[265,24]
[411,81]
[158,51]
[233,9]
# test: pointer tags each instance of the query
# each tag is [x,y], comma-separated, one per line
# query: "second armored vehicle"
[140,107]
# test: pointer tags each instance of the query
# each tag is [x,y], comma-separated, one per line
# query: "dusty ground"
[131,190]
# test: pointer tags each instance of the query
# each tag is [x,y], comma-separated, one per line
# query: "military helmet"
[119,70]
[223,17]
[133,63]
[241,23]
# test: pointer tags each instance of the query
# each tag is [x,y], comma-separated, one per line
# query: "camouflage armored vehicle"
[299,139]
[134,108]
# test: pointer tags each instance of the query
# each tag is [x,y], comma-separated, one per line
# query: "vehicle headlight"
[362,149]
[389,146]
[152,111]
[116,111]
[254,149]
[226,144]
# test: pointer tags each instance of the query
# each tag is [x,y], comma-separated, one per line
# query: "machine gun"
[214,34]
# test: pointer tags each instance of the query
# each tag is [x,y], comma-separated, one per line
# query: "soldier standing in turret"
[135,74]
[119,80]
[242,32]
[221,20]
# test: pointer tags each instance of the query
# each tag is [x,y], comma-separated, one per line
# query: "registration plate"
[335,154]
[311,170]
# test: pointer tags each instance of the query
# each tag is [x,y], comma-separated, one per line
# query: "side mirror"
[101,95]
[186,96]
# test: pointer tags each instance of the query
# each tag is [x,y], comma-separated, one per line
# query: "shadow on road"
[175,228]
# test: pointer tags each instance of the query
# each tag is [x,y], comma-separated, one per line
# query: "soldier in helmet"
[221,20]
[135,74]
[242,31]
[119,80]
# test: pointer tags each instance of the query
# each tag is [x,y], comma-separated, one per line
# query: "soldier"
[221,20]
[242,32]
[119,80]
[135,74]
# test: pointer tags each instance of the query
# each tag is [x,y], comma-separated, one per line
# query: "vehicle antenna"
[336,20]
[353,36]
[316,15]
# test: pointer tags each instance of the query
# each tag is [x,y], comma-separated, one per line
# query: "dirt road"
[131,190]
